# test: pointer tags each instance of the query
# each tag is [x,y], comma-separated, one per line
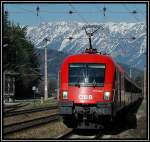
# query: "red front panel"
[84,94]
[87,95]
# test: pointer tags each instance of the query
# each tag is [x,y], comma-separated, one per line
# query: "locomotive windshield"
[86,74]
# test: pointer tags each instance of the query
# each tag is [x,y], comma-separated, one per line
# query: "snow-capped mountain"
[126,42]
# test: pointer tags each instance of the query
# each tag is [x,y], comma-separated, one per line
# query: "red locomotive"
[93,88]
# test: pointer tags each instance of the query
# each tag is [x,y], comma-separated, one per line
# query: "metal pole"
[4,88]
[58,85]
[145,81]
[34,96]
[45,78]
[130,73]
[13,89]
[90,42]
[8,89]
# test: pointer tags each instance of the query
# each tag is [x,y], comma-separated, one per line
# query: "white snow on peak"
[116,39]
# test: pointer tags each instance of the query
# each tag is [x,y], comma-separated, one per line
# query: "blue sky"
[25,14]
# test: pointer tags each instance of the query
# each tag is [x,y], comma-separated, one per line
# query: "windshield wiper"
[94,83]
[77,83]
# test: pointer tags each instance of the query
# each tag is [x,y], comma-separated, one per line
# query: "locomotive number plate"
[85,97]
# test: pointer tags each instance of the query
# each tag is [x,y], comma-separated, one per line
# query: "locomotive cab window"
[86,74]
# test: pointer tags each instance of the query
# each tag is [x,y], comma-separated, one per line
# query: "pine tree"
[19,56]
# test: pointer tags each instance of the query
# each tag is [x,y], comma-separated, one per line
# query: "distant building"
[8,86]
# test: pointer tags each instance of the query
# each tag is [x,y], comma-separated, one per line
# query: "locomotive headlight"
[106,95]
[65,94]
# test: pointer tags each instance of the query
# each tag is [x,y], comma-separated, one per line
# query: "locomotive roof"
[93,57]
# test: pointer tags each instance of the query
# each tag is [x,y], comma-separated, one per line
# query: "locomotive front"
[86,90]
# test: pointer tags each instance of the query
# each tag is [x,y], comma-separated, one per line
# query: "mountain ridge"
[123,41]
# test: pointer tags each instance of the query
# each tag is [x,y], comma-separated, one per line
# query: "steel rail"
[30,123]
[9,114]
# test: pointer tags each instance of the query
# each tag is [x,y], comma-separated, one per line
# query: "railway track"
[11,108]
[30,123]
[14,113]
